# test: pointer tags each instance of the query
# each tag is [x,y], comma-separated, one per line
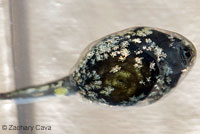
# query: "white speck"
[160,81]
[144,47]
[122,59]
[107,90]
[98,82]
[92,61]
[149,79]
[139,60]
[125,52]
[149,48]
[156,87]
[92,94]
[133,33]
[167,69]
[106,55]
[128,36]
[141,33]
[125,44]
[137,66]
[184,70]
[171,38]
[83,92]
[96,77]
[153,94]
[90,54]
[186,42]
[138,63]
[138,52]
[152,66]
[115,69]
[168,79]
[147,31]
[113,54]
[115,47]
[136,40]
[171,44]
[142,82]
[148,40]
[159,53]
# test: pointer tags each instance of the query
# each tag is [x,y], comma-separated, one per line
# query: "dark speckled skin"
[136,65]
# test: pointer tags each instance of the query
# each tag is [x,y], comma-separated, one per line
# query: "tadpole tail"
[60,87]
[30,92]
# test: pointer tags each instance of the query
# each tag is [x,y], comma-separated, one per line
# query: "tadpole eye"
[186,55]
[187,52]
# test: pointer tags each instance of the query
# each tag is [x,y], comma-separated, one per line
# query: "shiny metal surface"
[47,39]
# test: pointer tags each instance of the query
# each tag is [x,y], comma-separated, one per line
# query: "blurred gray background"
[40,41]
